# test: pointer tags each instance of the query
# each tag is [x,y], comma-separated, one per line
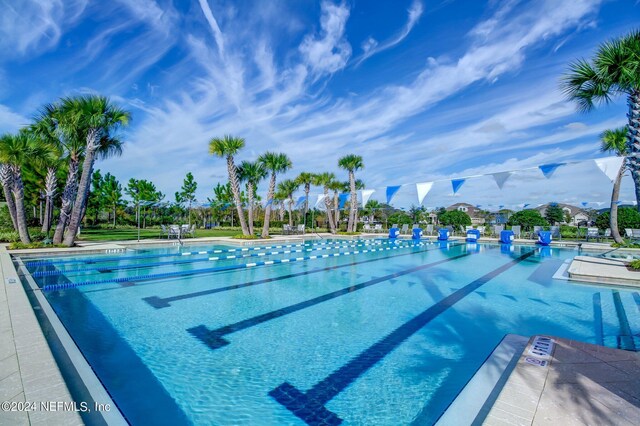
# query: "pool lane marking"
[597,319]
[625,337]
[164,302]
[173,274]
[94,260]
[214,338]
[310,406]
[107,269]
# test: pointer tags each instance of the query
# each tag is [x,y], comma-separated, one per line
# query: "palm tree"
[287,187]
[324,180]
[614,70]
[274,163]
[6,178]
[614,141]
[50,186]
[227,147]
[337,187]
[351,163]
[16,151]
[252,173]
[97,118]
[305,179]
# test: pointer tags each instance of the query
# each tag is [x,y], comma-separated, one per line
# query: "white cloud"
[11,121]
[330,51]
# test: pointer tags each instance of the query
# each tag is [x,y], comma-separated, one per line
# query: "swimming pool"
[363,332]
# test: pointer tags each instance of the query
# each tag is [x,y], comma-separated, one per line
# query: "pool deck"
[603,270]
[582,384]
[28,371]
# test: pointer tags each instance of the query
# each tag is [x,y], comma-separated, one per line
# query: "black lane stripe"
[164,302]
[214,338]
[310,406]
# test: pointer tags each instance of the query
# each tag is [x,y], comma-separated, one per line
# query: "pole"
[138,222]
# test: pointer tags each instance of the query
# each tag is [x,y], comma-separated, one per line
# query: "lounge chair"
[286,230]
[555,232]
[377,228]
[481,229]
[300,229]
[189,230]
[405,229]
[607,233]
[395,225]
[467,228]
[628,232]
[517,233]
[497,229]
[536,231]
[593,233]
[429,229]
[366,228]
[164,231]
[415,226]
[174,231]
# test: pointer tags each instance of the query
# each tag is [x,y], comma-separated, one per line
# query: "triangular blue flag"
[300,200]
[501,206]
[391,191]
[584,203]
[618,202]
[548,169]
[478,206]
[269,202]
[525,206]
[457,183]
[343,199]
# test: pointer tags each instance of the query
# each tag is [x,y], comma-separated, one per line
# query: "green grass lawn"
[101,234]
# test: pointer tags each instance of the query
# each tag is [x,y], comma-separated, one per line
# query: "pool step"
[613,327]
[477,397]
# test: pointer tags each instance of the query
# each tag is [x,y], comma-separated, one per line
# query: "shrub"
[628,217]
[568,231]
[455,218]
[9,237]
[245,237]
[635,264]
[35,245]
[400,218]
[527,219]
[5,218]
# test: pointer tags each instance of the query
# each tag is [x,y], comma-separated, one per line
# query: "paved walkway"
[582,384]
[28,371]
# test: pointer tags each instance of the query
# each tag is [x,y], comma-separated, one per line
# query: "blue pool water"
[378,332]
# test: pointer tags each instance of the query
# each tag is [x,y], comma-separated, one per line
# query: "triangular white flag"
[610,166]
[365,195]
[501,178]
[423,189]
[320,199]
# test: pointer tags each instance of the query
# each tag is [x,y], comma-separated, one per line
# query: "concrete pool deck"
[582,384]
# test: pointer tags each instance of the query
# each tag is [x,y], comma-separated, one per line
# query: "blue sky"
[423,90]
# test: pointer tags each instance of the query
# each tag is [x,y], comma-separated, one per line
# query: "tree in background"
[95,200]
[143,193]
[337,187]
[614,70]
[287,187]
[187,193]
[351,163]
[554,213]
[615,142]
[227,147]
[455,218]
[628,217]
[251,173]
[527,219]
[111,193]
[305,179]
[324,180]
[275,163]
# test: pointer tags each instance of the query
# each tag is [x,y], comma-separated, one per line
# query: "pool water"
[375,332]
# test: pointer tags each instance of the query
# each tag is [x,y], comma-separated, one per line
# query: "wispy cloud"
[371,46]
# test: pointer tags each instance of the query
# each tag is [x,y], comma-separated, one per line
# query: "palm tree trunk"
[114,216]
[267,210]
[250,216]
[290,211]
[613,213]
[281,208]
[50,190]
[21,216]
[633,141]
[353,203]
[235,189]
[68,194]
[83,188]
[307,188]
[327,205]
[7,184]
[336,205]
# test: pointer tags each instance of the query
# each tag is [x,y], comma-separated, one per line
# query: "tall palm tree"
[324,180]
[16,151]
[252,173]
[50,186]
[98,118]
[351,163]
[337,187]
[287,187]
[227,147]
[614,70]
[306,179]
[274,163]
[615,141]
[6,178]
